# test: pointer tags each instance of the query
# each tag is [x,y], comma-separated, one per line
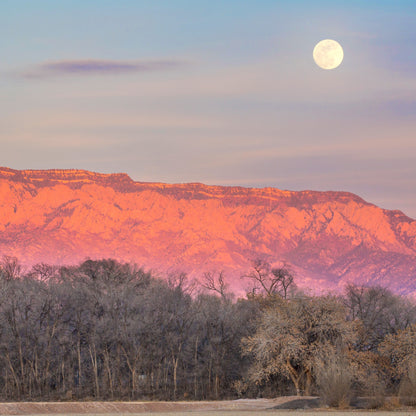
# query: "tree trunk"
[63,374]
[133,382]
[209,375]
[22,368]
[295,377]
[175,368]
[216,385]
[308,382]
[93,356]
[195,369]
[16,380]
[109,375]
[79,384]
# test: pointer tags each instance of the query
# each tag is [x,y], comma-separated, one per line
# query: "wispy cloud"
[98,67]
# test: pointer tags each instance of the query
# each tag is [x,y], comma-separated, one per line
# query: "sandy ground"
[251,413]
[245,407]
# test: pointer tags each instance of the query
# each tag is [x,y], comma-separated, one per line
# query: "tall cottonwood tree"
[380,313]
[289,335]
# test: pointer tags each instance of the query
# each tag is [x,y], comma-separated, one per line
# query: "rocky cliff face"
[328,238]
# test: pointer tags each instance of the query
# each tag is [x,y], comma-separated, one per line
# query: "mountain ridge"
[328,238]
[80,175]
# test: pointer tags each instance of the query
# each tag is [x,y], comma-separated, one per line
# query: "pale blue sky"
[220,92]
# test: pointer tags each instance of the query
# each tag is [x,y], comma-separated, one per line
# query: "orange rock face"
[328,238]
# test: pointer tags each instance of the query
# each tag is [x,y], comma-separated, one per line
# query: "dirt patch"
[304,403]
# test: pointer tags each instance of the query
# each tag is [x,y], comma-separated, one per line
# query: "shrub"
[376,391]
[334,378]
[407,389]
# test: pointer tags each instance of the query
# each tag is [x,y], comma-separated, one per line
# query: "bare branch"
[215,284]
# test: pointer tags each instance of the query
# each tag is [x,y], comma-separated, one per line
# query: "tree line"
[106,330]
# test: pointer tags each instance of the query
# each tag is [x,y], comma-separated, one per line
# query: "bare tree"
[180,281]
[276,281]
[400,349]
[10,267]
[289,335]
[380,311]
[43,271]
[215,282]
[284,281]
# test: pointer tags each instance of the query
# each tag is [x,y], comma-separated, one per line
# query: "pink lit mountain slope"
[328,238]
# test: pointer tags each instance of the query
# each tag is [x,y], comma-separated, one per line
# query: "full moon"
[328,54]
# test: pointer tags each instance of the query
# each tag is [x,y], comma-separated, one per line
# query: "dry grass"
[245,413]
[334,379]
[407,391]
[215,408]
[392,403]
[376,392]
